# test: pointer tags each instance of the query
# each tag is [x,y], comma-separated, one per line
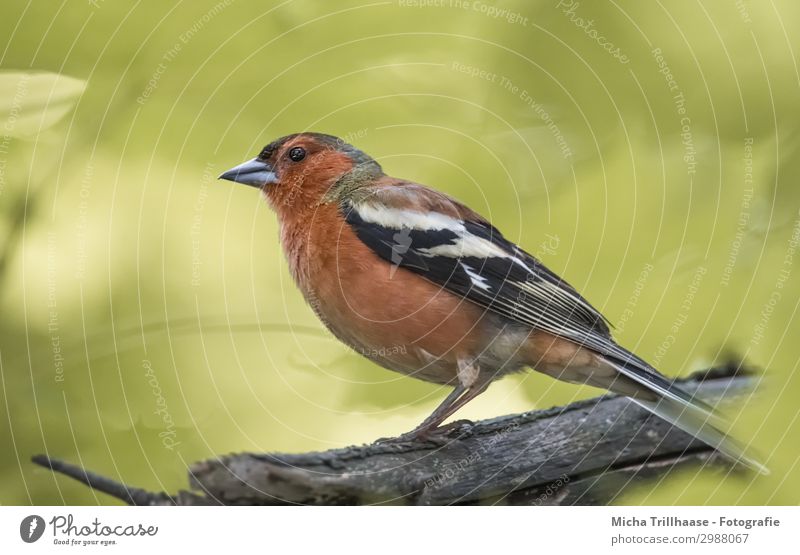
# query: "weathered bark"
[589,452]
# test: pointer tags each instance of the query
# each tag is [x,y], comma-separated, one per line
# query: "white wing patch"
[466,245]
[476,279]
[409,219]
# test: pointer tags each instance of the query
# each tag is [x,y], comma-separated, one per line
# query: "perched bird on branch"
[422,285]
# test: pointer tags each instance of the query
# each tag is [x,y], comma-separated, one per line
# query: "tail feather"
[691,415]
[695,422]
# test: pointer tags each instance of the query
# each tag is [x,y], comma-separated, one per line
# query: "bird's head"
[305,169]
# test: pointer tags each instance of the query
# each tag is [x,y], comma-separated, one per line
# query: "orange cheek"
[286,195]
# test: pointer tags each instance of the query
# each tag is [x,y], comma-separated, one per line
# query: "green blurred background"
[148,318]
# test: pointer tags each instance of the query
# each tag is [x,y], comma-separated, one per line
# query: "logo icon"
[402,242]
[31,528]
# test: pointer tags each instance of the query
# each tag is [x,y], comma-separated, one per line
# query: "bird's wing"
[435,236]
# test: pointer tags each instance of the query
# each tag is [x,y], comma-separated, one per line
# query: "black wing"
[506,279]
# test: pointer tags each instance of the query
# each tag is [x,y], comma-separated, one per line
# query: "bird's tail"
[694,417]
[697,423]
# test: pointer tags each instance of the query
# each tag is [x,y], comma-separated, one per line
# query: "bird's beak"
[253,172]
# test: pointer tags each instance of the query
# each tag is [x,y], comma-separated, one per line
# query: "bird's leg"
[472,392]
[436,417]
[431,428]
[469,375]
[470,385]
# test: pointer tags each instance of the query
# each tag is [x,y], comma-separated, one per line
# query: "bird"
[421,284]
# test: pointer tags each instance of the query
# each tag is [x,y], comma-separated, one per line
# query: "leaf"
[31,102]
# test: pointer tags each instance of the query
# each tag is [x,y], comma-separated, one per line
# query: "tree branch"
[588,452]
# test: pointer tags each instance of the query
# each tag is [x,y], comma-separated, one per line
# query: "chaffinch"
[420,284]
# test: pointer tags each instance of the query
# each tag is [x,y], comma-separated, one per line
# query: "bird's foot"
[455,428]
[441,435]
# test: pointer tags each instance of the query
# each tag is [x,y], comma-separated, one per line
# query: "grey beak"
[253,172]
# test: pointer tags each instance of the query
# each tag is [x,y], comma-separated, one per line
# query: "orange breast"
[389,314]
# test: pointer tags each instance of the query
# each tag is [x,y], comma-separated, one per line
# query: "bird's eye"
[297,153]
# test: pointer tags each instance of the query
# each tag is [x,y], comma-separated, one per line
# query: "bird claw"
[408,437]
[457,425]
[439,436]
